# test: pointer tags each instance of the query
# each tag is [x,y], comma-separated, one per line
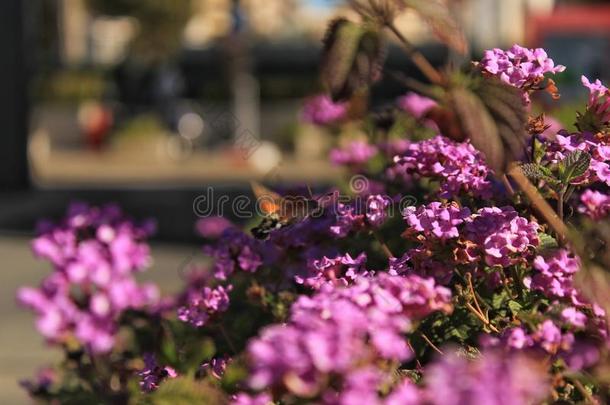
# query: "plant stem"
[584,392]
[560,205]
[432,345]
[478,312]
[482,318]
[541,205]
[384,246]
[224,333]
[474,295]
[412,83]
[509,187]
[416,56]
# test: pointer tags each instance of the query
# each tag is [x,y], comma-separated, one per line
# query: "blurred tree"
[161,23]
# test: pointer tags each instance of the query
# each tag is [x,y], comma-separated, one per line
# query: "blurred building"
[98,38]
[228,66]
[497,23]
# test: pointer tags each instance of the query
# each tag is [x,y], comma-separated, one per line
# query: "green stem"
[416,56]
[560,204]
[225,335]
[384,246]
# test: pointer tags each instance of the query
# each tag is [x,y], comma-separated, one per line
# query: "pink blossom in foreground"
[339,331]
[495,379]
[95,253]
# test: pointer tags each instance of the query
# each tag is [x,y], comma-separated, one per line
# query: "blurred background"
[148,103]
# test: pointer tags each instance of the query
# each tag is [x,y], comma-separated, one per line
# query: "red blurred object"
[95,121]
[587,19]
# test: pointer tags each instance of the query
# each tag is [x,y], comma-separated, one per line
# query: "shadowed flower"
[152,375]
[415,104]
[355,153]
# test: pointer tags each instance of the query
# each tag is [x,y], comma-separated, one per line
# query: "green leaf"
[469,352]
[352,57]
[491,114]
[168,348]
[590,121]
[498,299]
[514,307]
[574,165]
[547,242]
[185,391]
[196,351]
[535,171]
[505,105]
[539,150]
[478,125]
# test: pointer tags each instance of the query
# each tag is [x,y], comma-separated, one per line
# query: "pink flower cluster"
[595,205]
[459,167]
[554,275]
[499,235]
[579,352]
[359,214]
[234,250]
[599,168]
[340,270]
[436,220]
[95,253]
[502,235]
[415,104]
[152,374]
[376,206]
[321,110]
[496,378]
[348,219]
[519,66]
[340,332]
[216,366]
[548,336]
[599,100]
[355,153]
[201,304]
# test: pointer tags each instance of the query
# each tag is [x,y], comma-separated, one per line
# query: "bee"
[281,211]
